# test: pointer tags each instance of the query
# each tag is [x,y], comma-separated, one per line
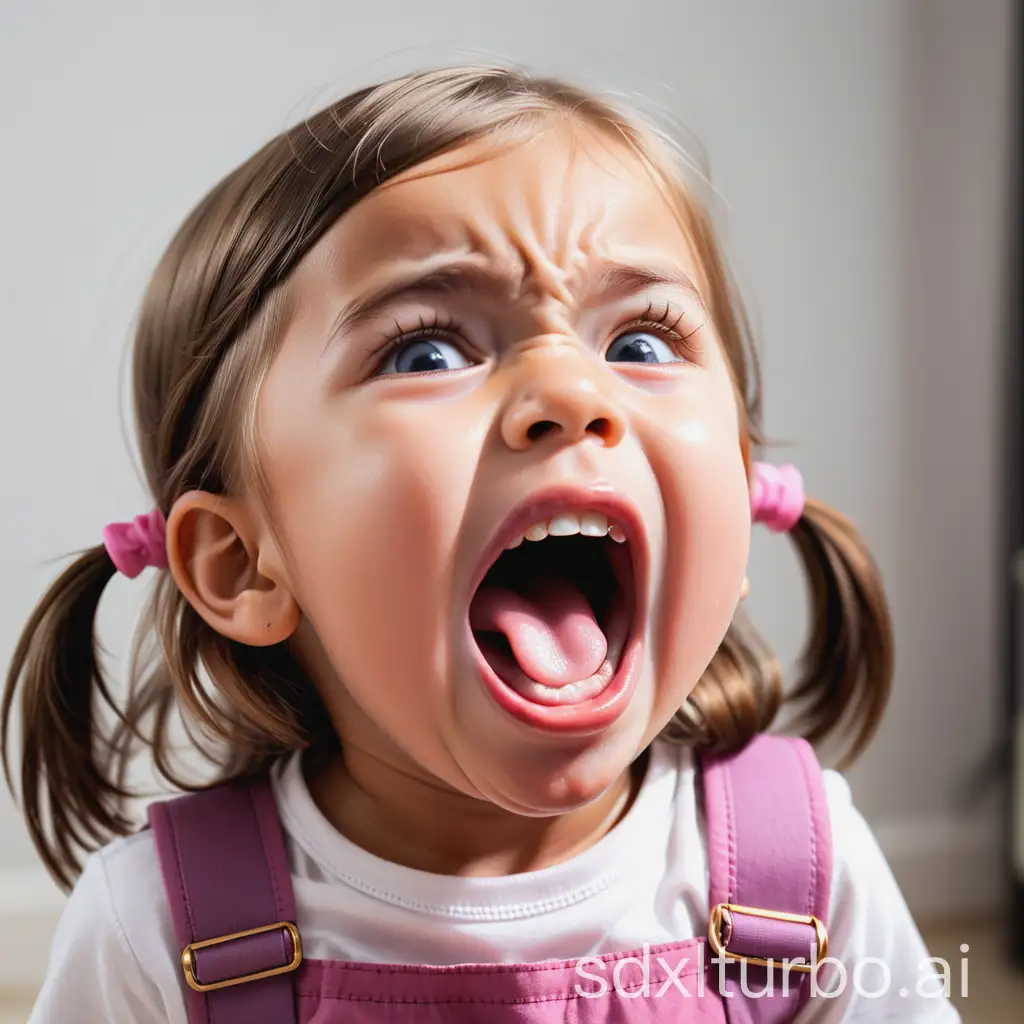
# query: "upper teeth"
[566,524]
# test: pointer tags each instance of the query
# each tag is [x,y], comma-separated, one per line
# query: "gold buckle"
[188,963]
[720,916]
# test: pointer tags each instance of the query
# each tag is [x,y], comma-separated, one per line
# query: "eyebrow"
[615,279]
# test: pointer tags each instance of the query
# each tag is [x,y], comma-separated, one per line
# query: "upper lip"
[577,498]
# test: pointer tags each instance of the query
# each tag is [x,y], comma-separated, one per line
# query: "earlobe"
[215,551]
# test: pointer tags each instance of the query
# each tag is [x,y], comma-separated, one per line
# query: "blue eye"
[423,356]
[640,347]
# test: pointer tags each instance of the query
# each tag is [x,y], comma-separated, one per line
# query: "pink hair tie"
[134,546]
[777,496]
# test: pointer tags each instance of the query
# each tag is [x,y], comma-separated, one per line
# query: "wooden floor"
[995,992]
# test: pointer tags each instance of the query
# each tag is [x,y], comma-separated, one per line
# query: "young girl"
[447,407]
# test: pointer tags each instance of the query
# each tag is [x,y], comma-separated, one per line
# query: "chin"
[511,766]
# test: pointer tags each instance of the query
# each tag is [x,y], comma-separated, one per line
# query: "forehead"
[552,203]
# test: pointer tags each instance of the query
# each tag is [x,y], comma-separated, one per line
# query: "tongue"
[551,629]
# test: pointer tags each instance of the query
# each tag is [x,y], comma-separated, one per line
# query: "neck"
[420,823]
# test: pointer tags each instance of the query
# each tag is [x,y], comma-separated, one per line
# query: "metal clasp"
[721,916]
[188,962]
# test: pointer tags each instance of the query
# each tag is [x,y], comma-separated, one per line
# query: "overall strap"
[225,871]
[770,867]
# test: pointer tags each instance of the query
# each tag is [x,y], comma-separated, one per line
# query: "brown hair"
[205,337]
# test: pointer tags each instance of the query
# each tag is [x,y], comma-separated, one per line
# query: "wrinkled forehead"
[550,206]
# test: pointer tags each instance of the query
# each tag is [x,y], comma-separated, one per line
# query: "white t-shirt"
[114,958]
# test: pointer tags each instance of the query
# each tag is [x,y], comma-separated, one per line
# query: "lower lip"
[589,716]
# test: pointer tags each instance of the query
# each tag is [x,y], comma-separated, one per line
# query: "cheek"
[699,465]
[368,500]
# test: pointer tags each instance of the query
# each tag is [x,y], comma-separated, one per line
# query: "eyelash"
[686,343]
[447,325]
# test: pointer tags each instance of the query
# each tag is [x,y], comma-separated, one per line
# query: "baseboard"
[946,867]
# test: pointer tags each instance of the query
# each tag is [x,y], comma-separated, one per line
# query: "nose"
[556,396]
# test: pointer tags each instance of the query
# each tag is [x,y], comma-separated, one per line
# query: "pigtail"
[847,666]
[54,677]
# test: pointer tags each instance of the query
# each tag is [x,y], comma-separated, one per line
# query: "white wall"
[859,145]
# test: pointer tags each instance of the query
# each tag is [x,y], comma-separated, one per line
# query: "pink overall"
[225,871]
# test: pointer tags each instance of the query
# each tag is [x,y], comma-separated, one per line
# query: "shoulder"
[863,887]
[113,955]
[873,941]
[867,913]
[130,871]
[881,964]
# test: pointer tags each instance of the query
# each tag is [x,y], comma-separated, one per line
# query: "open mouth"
[554,613]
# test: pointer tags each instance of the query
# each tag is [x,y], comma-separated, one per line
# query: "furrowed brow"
[612,280]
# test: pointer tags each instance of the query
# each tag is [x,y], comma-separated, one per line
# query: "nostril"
[601,427]
[541,428]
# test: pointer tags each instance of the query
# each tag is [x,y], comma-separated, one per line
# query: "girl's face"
[507,341]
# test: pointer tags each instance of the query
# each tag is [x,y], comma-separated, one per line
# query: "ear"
[229,571]
[745,588]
